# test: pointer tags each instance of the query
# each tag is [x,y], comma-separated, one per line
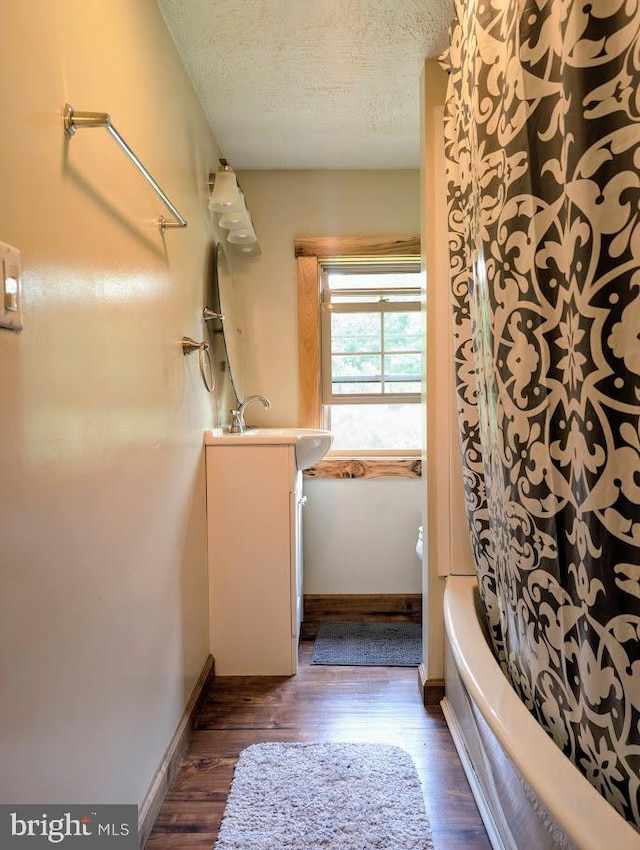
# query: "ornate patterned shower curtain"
[543,173]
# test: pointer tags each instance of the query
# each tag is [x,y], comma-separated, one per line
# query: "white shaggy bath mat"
[338,796]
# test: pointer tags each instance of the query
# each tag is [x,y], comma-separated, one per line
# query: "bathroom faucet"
[237,416]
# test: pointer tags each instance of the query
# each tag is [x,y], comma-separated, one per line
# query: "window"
[371,354]
[360,345]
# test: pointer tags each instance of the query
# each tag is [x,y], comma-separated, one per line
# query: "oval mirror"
[225,299]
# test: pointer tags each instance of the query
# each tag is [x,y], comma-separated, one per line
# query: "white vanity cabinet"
[254,518]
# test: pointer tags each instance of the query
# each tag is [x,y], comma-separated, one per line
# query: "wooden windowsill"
[342,467]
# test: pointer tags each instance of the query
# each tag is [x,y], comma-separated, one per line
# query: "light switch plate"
[10,288]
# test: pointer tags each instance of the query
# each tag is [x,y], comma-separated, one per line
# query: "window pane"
[403,323]
[402,386]
[376,426]
[348,297]
[363,388]
[403,331]
[383,279]
[356,332]
[398,366]
[349,367]
[403,343]
[356,344]
[362,324]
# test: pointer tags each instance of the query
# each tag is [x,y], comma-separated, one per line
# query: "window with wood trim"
[361,342]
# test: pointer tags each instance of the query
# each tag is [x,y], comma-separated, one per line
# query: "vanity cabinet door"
[250,537]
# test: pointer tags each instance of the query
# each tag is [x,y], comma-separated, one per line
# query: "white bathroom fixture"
[237,416]
[310,444]
[228,201]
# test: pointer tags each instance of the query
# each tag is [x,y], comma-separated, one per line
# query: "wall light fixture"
[228,202]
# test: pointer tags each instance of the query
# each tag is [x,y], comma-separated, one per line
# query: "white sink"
[310,444]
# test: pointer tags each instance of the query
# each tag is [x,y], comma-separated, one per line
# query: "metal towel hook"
[208,314]
[188,347]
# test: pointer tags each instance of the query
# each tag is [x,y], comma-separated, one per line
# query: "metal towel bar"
[77,120]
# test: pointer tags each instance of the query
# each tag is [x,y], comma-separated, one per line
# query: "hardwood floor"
[319,704]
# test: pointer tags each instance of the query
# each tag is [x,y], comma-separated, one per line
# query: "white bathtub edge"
[581,812]
[472,778]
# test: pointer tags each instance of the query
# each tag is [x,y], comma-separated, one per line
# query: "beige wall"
[103,620]
[285,204]
[360,536]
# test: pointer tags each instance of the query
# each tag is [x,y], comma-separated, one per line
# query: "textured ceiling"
[310,83]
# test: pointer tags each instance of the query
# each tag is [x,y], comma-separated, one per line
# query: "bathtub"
[529,794]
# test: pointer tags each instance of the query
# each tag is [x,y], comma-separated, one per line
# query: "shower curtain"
[542,141]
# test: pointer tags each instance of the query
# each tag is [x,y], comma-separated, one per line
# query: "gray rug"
[369,644]
[312,796]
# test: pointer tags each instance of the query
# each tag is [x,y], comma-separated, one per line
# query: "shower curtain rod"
[77,120]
